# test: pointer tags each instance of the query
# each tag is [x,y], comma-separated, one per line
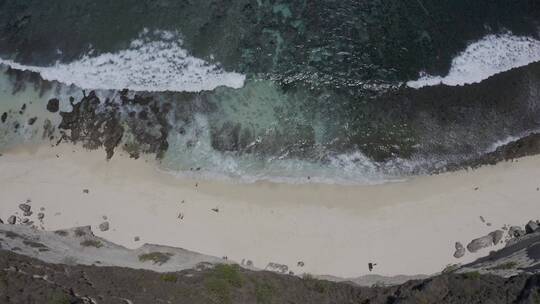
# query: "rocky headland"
[74,266]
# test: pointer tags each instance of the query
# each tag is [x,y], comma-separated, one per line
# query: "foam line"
[147,65]
[491,55]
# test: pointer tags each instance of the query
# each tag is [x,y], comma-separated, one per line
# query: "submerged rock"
[32,120]
[53,105]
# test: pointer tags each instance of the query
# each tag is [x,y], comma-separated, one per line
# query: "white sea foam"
[154,62]
[491,55]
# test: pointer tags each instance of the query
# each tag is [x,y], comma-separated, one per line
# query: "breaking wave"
[154,62]
[489,56]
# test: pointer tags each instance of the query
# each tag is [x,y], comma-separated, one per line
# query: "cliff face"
[27,280]
[25,277]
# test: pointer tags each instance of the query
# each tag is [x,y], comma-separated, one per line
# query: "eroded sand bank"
[406,228]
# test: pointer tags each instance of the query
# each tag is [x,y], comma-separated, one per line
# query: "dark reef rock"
[48,130]
[53,105]
[526,146]
[32,120]
[92,126]
[104,124]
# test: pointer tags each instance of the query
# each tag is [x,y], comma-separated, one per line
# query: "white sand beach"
[407,228]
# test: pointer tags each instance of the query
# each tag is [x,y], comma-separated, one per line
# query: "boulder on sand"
[25,208]
[460,250]
[515,232]
[104,226]
[493,238]
[12,219]
[480,243]
[531,227]
[497,236]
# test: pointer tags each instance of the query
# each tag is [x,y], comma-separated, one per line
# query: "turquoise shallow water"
[296,92]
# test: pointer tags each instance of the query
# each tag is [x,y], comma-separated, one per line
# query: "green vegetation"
[473,275]
[264,292]
[3,280]
[505,266]
[79,232]
[219,290]
[59,298]
[221,280]
[156,257]
[451,268]
[92,243]
[317,285]
[169,277]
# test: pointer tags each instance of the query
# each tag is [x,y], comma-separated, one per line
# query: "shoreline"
[407,227]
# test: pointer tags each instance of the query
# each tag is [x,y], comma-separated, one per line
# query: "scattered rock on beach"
[1,222]
[136,239]
[492,238]
[40,216]
[515,232]
[531,227]
[3,118]
[104,226]
[460,250]
[25,207]
[86,191]
[275,267]
[497,236]
[12,219]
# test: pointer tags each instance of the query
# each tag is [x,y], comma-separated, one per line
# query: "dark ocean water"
[290,89]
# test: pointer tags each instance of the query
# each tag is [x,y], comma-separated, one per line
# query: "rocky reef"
[447,128]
